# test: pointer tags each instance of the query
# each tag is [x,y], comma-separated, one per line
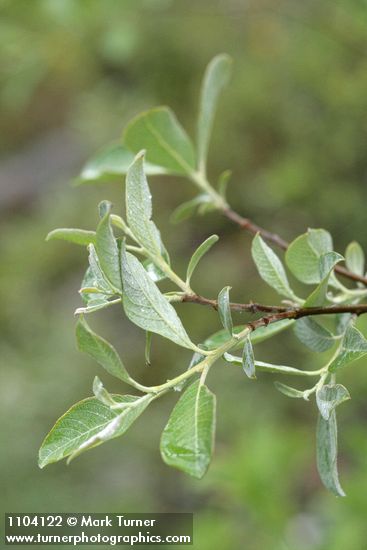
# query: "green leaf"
[329,397]
[153,271]
[327,262]
[313,335]
[99,349]
[187,441]
[248,359]
[107,251]
[113,160]
[76,236]
[354,258]
[270,268]
[224,309]
[259,335]
[327,451]
[102,394]
[145,305]
[320,240]
[353,346]
[166,142]
[187,209]
[216,77]
[139,208]
[88,424]
[289,391]
[198,254]
[302,255]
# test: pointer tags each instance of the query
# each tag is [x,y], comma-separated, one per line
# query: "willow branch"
[252,307]
[279,312]
[250,226]
[297,313]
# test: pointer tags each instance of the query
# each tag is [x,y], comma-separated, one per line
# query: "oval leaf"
[76,236]
[270,268]
[216,77]
[302,255]
[88,424]
[166,142]
[354,258]
[187,441]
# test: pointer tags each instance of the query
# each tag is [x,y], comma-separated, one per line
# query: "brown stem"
[297,313]
[252,307]
[279,312]
[248,225]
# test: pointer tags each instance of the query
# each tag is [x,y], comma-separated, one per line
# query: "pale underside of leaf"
[327,450]
[353,347]
[313,335]
[248,359]
[224,309]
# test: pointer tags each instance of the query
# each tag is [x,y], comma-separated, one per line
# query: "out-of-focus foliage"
[292,127]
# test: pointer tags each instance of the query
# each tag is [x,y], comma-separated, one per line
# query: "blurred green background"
[292,126]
